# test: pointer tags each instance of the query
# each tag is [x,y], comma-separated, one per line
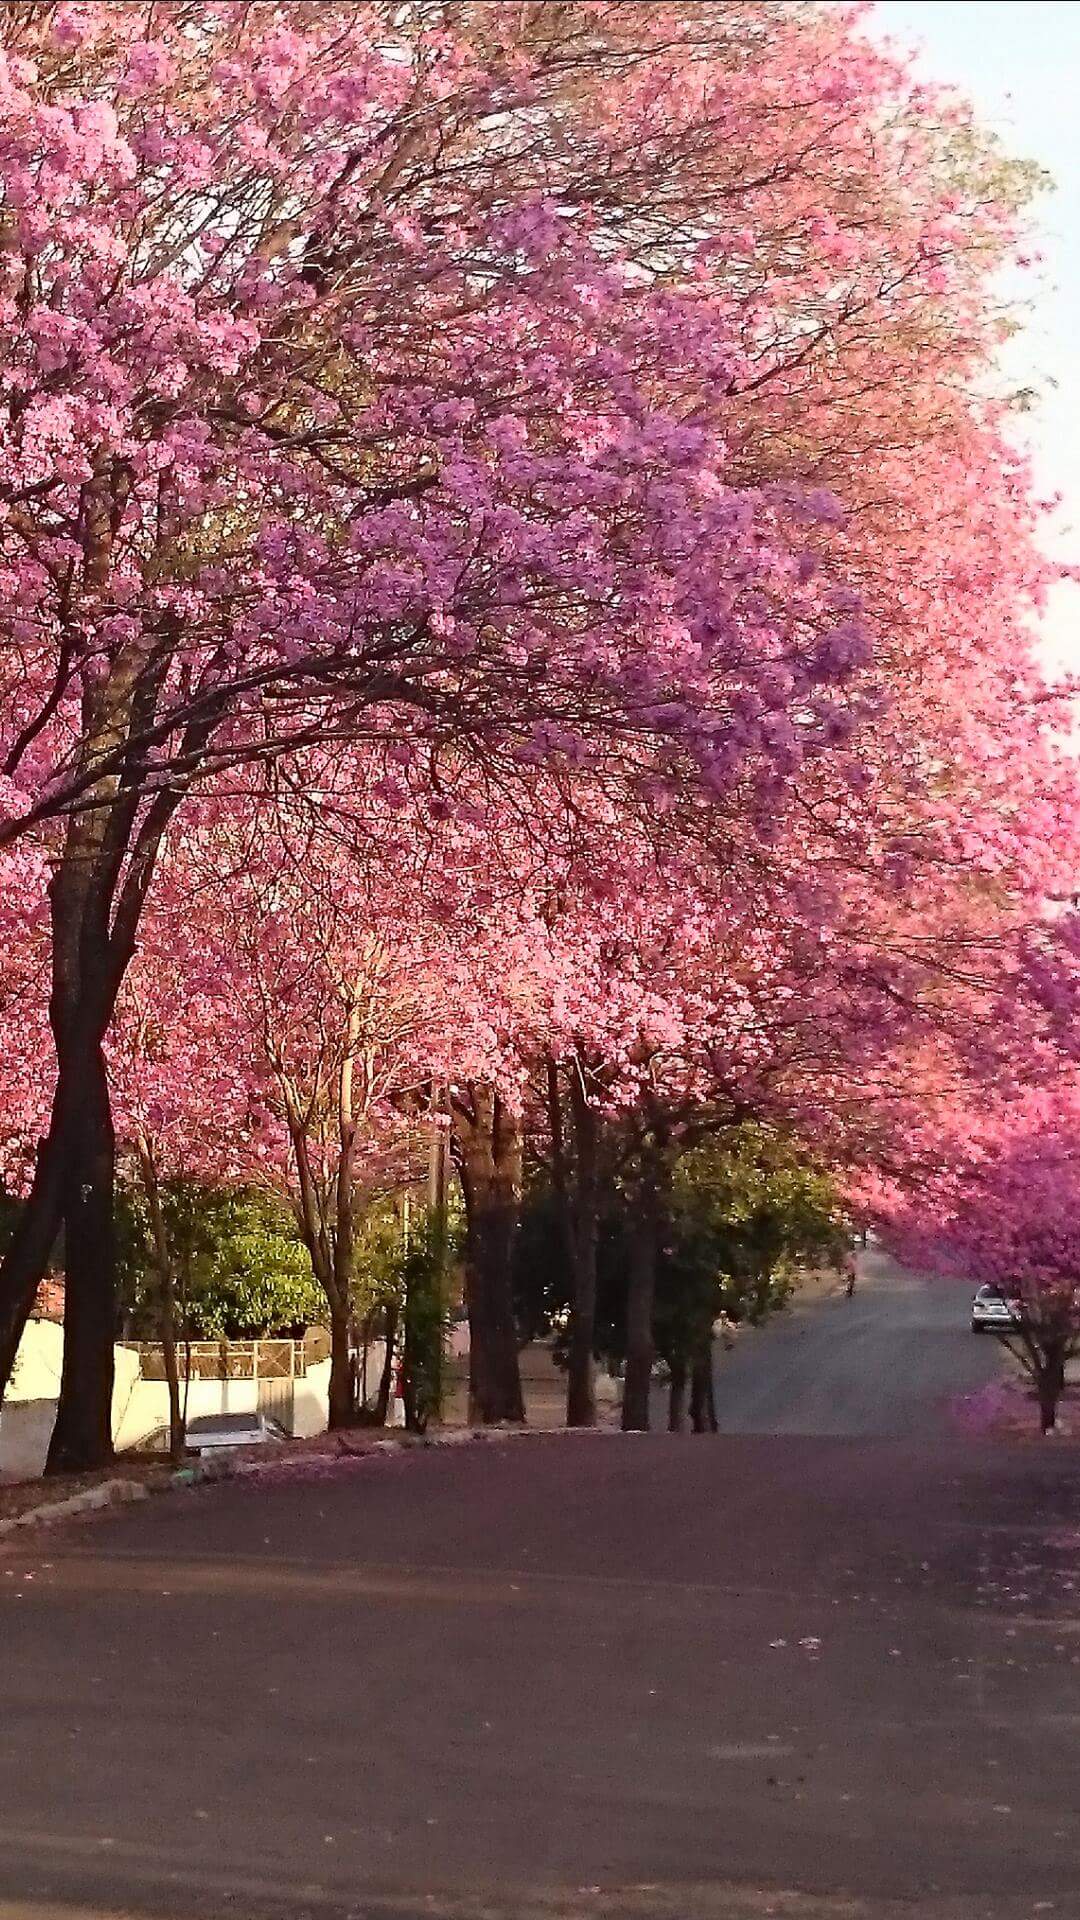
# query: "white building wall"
[140,1407]
[146,1409]
[29,1406]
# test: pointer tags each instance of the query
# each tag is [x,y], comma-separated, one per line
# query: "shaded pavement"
[654,1676]
[885,1362]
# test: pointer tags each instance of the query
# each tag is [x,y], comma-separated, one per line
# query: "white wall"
[145,1407]
[309,1405]
[37,1363]
[140,1407]
[29,1407]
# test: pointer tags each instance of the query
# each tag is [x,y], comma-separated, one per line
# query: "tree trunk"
[677,1398]
[581,1362]
[702,1398]
[90,954]
[326,1228]
[177,1422]
[490,1164]
[82,1437]
[438,1171]
[33,1242]
[386,1378]
[95,905]
[641,1289]
[166,1298]
[365,1355]
[411,1397]
[494,1371]
[342,1409]
[1050,1384]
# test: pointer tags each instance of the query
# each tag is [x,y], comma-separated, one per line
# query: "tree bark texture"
[167,1316]
[82,1436]
[585,1233]
[488,1143]
[342,1409]
[1050,1385]
[640,1294]
[702,1398]
[677,1397]
[96,899]
[386,1377]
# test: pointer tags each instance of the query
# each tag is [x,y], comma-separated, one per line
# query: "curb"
[459,1437]
[111,1493]
[120,1492]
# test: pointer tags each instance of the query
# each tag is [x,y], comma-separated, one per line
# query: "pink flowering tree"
[330,998]
[24,1032]
[186,1094]
[256,273]
[1001,1208]
[353,959]
[794,989]
[488,386]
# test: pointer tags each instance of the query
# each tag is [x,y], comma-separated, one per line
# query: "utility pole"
[438,1165]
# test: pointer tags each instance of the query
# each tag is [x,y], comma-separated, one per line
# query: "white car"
[211,1432]
[992,1312]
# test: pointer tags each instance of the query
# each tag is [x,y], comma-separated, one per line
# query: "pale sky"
[1018,61]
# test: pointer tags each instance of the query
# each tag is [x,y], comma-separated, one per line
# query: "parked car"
[210,1432]
[992,1312]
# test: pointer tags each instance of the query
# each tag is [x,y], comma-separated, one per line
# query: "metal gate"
[273,1366]
[276,1398]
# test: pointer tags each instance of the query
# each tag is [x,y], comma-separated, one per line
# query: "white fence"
[140,1405]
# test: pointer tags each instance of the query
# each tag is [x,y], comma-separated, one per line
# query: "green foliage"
[378,1259]
[743,1210]
[404,1264]
[541,1277]
[241,1268]
[425,1269]
[761,1207]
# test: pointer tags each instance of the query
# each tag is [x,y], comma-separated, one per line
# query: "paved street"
[885,1362]
[807,1674]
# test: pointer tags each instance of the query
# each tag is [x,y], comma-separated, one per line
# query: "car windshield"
[988,1293]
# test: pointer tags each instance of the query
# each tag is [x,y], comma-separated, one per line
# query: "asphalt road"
[885,1362]
[809,1676]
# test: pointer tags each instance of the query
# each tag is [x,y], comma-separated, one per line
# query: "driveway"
[809,1675]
